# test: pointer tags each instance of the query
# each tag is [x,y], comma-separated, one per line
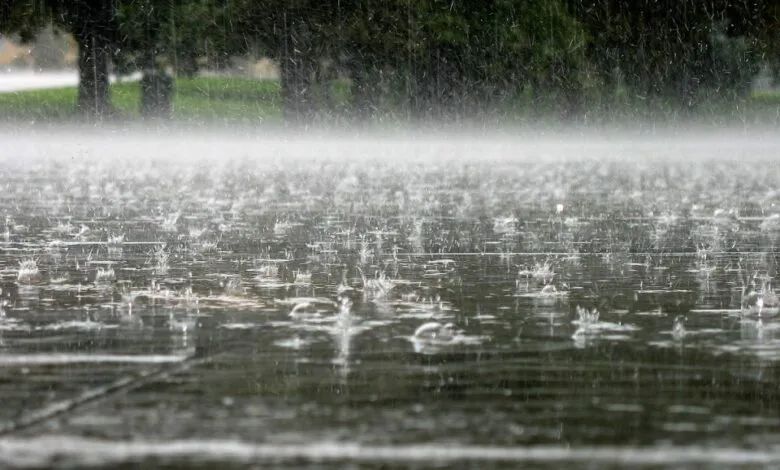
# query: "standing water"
[234,302]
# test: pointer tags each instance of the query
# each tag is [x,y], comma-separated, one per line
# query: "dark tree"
[93,25]
[432,59]
[674,50]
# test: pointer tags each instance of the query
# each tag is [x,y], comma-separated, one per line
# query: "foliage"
[438,58]
[23,19]
[673,49]
[178,33]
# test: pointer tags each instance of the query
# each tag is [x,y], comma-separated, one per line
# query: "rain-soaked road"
[199,301]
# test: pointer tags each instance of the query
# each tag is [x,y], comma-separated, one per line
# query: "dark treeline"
[428,59]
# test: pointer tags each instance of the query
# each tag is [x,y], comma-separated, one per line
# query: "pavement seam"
[123,384]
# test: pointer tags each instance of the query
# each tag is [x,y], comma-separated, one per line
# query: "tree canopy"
[428,58]
[93,25]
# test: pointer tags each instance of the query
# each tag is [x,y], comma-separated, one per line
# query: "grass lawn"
[232,101]
[196,100]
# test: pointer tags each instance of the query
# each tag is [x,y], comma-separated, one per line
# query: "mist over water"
[228,298]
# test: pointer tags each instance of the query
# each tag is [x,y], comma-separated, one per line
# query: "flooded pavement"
[201,301]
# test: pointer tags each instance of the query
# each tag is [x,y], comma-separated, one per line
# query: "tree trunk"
[296,93]
[425,99]
[365,90]
[296,69]
[94,29]
[93,97]
[187,62]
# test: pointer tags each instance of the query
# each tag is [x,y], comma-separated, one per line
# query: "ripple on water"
[267,247]
[88,358]
[75,325]
[43,451]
